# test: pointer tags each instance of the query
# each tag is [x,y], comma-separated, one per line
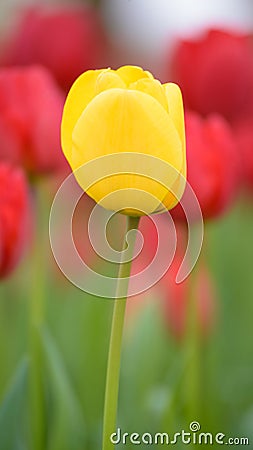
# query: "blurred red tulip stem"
[37,285]
[194,344]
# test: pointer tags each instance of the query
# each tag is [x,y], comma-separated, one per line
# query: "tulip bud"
[244,139]
[30,113]
[66,40]
[215,73]
[176,298]
[14,217]
[126,113]
[212,162]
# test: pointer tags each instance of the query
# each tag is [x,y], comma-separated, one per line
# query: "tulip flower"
[14,217]
[112,117]
[30,113]
[212,163]
[66,41]
[244,139]
[215,73]
[115,112]
[176,298]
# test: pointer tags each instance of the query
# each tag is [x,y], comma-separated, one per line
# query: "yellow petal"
[130,74]
[171,200]
[128,121]
[80,94]
[176,111]
[109,80]
[176,108]
[151,87]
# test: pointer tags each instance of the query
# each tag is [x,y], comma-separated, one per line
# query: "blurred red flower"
[197,288]
[150,244]
[67,41]
[176,298]
[212,165]
[215,73]
[30,114]
[244,138]
[14,217]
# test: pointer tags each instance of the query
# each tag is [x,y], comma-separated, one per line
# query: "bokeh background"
[187,352]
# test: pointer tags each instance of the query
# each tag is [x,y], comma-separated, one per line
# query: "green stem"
[193,343]
[194,389]
[113,364]
[37,407]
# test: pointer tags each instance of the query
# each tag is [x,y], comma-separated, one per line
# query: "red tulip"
[67,41]
[212,165]
[175,298]
[244,138]
[30,114]
[215,73]
[150,243]
[14,217]
[197,288]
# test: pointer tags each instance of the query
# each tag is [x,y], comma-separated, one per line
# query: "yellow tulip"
[124,111]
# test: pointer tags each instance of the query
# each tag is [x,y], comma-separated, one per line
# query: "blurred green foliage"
[155,368]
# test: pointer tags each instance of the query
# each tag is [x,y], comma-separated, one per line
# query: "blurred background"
[187,351]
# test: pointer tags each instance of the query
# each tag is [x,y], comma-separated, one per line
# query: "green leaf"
[12,408]
[143,365]
[66,423]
